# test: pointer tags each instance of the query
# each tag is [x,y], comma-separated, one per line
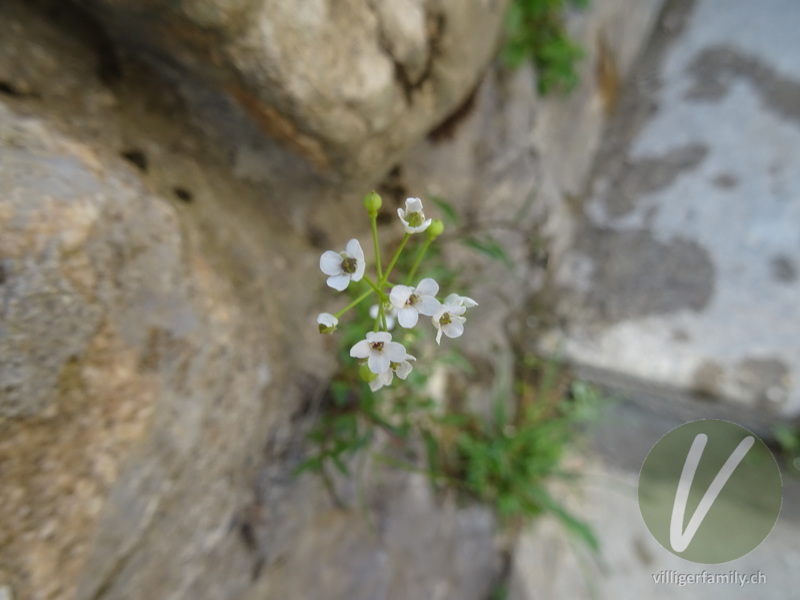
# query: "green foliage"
[507,459]
[788,440]
[490,247]
[535,30]
[504,459]
[449,212]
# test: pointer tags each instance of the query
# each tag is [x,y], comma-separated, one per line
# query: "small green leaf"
[490,247]
[579,528]
[449,212]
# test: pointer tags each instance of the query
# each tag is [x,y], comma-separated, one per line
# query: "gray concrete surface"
[683,277]
[549,563]
[679,290]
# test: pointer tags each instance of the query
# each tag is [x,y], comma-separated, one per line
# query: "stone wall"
[169,174]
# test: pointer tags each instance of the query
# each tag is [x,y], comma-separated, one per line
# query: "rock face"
[116,340]
[160,229]
[681,277]
[349,85]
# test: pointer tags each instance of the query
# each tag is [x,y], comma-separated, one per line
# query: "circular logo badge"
[710,491]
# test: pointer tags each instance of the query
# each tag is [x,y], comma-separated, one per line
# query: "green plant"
[535,30]
[788,440]
[504,460]
[507,459]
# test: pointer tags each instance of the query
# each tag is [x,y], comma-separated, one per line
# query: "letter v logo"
[710,491]
[679,538]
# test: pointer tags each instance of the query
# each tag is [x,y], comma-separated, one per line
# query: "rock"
[679,280]
[512,166]
[375,554]
[117,343]
[551,563]
[182,345]
[160,283]
[348,85]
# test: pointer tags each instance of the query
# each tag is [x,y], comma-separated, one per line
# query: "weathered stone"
[375,555]
[120,344]
[512,168]
[551,563]
[349,85]
[182,342]
[680,273]
[152,454]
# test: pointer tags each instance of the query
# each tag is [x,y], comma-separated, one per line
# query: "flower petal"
[468,302]
[413,205]
[456,300]
[428,306]
[378,362]
[400,295]
[353,249]
[407,317]
[339,282]
[403,369]
[379,336]
[360,268]
[427,287]
[327,319]
[453,329]
[330,262]
[360,349]
[456,311]
[395,352]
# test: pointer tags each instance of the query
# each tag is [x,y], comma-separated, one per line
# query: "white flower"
[456,300]
[327,322]
[413,302]
[390,312]
[412,217]
[379,350]
[401,369]
[448,320]
[341,267]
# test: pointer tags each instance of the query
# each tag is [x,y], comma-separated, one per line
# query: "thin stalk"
[354,303]
[374,221]
[395,257]
[418,260]
[374,286]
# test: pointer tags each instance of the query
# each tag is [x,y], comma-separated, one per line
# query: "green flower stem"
[354,303]
[420,256]
[373,217]
[379,318]
[395,257]
[374,286]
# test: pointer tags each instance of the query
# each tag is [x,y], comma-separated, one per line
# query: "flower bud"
[372,202]
[435,230]
[366,374]
[327,323]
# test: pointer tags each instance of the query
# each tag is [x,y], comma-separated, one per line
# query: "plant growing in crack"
[535,30]
[382,357]
[379,409]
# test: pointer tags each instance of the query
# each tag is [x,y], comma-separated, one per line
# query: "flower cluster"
[382,357]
